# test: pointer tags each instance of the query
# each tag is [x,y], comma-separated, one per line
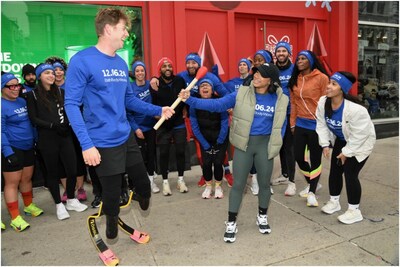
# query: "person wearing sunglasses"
[17,154]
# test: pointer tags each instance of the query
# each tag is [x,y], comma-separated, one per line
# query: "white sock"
[335,198]
[165,181]
[354,207]
[180,178]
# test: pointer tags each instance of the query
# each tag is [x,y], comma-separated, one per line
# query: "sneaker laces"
[230,227]
[262,219]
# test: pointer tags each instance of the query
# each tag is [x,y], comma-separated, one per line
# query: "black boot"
[111,226]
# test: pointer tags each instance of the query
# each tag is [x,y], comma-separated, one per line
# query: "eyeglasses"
[14,87]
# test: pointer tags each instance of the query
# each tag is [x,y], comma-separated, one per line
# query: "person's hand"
[342,158]
[184,94]
[209,150]
[154,83]
[216,148]
[13,160]
[326,151]
[139,134]
[91,156]
[168,112]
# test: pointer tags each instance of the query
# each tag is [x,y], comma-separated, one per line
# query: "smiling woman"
[258,124]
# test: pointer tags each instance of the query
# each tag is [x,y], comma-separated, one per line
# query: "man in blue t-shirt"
[98,81]
[286,154]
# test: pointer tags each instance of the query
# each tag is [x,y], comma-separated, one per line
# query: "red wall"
[174,29]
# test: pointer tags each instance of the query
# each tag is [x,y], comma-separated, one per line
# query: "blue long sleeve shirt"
[100,84]
[218,85]
[16,128]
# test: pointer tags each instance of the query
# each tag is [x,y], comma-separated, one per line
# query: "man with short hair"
[98,80]
[286,154]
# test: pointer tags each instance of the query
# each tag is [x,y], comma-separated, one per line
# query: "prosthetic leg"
[105,254]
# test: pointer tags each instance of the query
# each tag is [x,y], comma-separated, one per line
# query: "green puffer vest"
[243,115]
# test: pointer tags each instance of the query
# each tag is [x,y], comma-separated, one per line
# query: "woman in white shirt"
[347,126]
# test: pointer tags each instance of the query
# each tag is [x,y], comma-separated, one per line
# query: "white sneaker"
[262,222]
[166,189]
[272,190]
[304,192]
[351,216]
[331,207]
[207,192]
[154,187]
[182,186]
[219,193]
[291,189]
[311,200]
[230,232]
[62,213]
[280,180]
[254,185]
[74,204]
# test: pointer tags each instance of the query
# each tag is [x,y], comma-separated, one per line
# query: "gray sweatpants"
[257,151]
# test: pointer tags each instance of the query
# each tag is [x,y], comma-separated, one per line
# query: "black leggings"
[55,150]
[308,138]
[112,187]
[351,169]
[148,148]
[217,160]
[286,154]
[180,158]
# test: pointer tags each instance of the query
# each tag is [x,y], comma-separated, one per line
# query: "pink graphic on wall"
[209,56]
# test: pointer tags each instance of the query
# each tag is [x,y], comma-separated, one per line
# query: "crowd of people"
[92,119]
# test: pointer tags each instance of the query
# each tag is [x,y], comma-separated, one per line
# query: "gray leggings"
[257,151]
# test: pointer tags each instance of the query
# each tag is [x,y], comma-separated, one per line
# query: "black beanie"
[27,69]
[268,70]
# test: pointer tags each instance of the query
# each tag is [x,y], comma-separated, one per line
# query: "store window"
[378,58]
[33,31]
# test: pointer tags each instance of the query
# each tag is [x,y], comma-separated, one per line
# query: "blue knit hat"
[136,64]
[245,60]
[6,77]
[264,54]
[205,80]
[308,56]
[284,45]
[58,65]
[194,57]
[42,67]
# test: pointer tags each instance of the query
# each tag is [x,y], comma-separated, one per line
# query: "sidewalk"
[187,230]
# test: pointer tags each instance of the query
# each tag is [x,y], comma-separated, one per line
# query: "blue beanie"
[42,67]
[58,65]
[205,80]
[194,57]
[136,64]
[285,45]
[6,77]
[308,56]
[264,54]
[245,60]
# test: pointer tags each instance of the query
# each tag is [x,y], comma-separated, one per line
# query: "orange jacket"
[305,95]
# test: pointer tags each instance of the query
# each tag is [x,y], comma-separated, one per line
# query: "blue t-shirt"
[16,128]
[284,77]
[335,123]
[233,84]
[101,84]
[139,120]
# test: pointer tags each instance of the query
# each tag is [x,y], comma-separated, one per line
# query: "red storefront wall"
[238,29]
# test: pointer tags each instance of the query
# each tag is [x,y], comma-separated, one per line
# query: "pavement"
[188,230]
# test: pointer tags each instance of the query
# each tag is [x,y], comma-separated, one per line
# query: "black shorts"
[26,158]
[168,136]
[115,160]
